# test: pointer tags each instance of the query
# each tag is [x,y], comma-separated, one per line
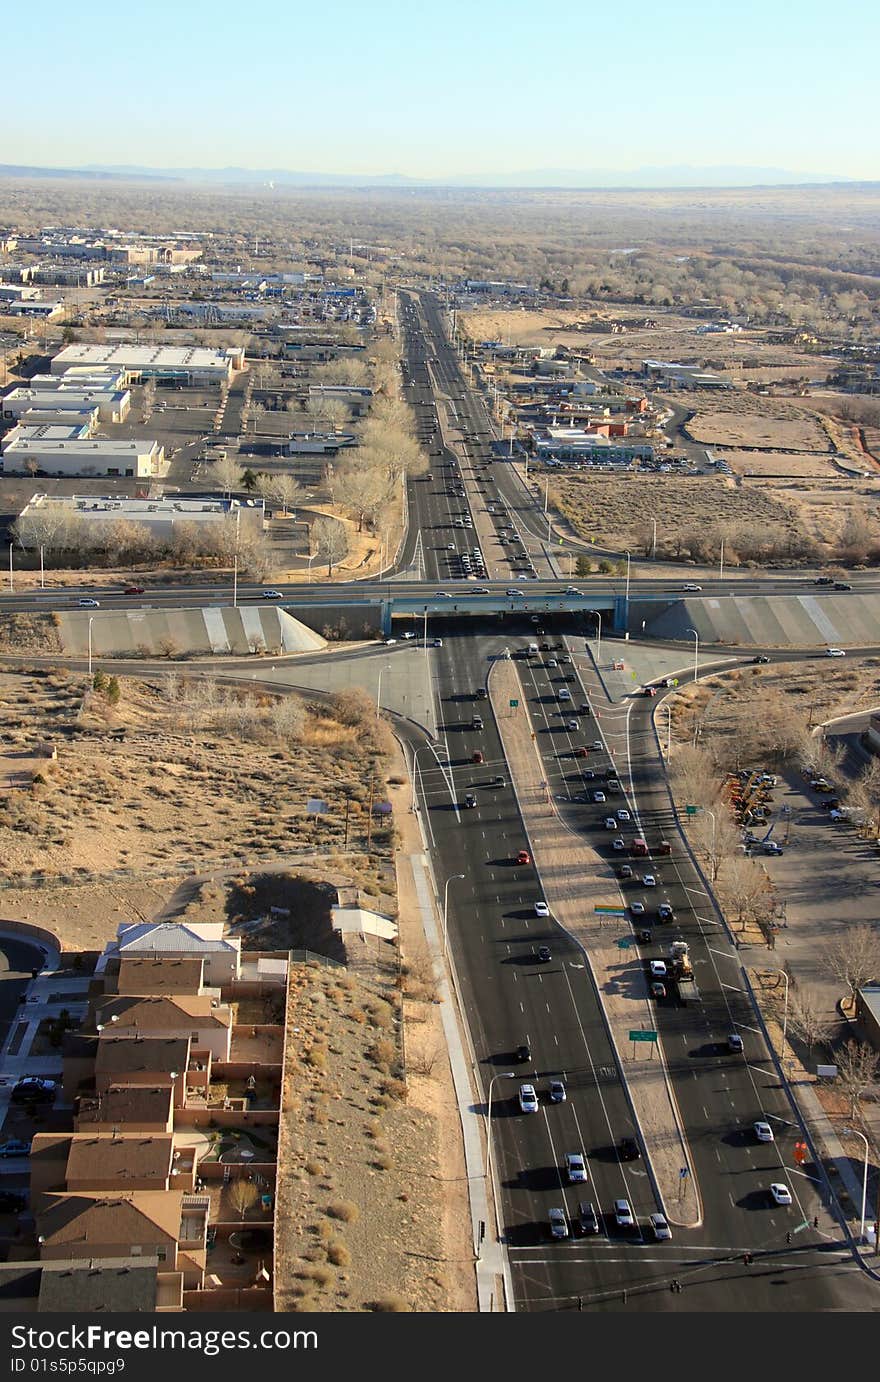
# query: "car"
[528,1099]
[623,1215]
[771,847]
[580,752]
[470,800]
[596,745]
[829,652]
[408,636]
[625,871]
[543,954]
[482,589]
[659,1227]
[598,796]
[571,724]
[658,969]
[276,595]
[763,1131]
[551,662]
[444,594]
[499,781]
[558,1223]
[523,1052]
[629,1149]
[689,585]
[565,695]
[450,546]
[541,909]
[618,843]
[646,935]
[566,658]
[623,815]
[648,880]
[523,857]
[476,756]
[438,642]
[133,590]
[33,1087]
[762,657]
[481,693]
[511,592]
[824,580]
[11,1201]
[587,1219]
[735,1042]
[842,585]
[649,691]
[15,1146]
[588,776]
[658,990]
[584,708]
[88,604]
[556,1090]
[665,912]
[637,909]
[575,1166]
[610,823]
[612,784]
[779,1193]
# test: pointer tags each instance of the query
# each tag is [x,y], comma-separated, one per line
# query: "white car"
[780,1193]
[541,909]
[610,823]
[575,1166]
[637,909]
[276,595]
[763,1131]
[835,652]
[598,796]
[648,880]
[658,969]
[389,642]
[618,844]
[661,1230]
[623,815]
[88,604]
[565,694]
[408,636]
[528,1099]
[690,586]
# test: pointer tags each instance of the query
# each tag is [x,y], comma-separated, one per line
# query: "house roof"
[135,1105]
[136,1055]
[145,974]
[121,1157]
[162,1014]
[175,936]
[99,1285]
[139,1216]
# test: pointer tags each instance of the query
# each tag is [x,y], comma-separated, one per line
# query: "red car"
[133,590]
[580,752]
[476,757]
[523,857]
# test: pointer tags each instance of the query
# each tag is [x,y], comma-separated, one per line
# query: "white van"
[533,648]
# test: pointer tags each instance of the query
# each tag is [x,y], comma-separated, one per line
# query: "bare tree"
[283,489]
[225,475]
[854,957]
[808,1019]
[243,1195]
[363,492]
[329,539]
[288,717]
[856,1068]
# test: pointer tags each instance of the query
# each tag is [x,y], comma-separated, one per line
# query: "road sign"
[606,910]
[683,1172]
[513,704]
[692,810]
[643,1036]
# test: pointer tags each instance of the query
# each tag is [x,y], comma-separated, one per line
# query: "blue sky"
[444,88]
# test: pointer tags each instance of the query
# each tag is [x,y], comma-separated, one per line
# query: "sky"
[440,89]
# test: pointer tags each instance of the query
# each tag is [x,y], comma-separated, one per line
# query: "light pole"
[721,562]
[704,810]
[626,596]
[696,653]
[502,1075]
[450,879]
[386,668]
[653,538]
[856,1132]
[668,709]
[235,581]
[91,622]
[309,564]
[11,586]
[597,613]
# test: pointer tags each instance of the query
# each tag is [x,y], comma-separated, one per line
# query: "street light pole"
[598,614]
[668,708]
[449,880]
[864,1178]
[696,653]
[502,1075]
[235,581]
[721,563]
[626,596]
[91,621]
[11,586]
[309,565]
[653,538]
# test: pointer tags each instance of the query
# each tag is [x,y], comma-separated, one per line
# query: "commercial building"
[140,459]
[111,406]
[575,444]
[160,516]
[683,376]
[318,443]
[178,364]
[75,415]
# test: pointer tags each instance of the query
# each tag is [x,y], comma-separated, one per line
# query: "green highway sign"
[692,810]
[643,1036]
[514,704]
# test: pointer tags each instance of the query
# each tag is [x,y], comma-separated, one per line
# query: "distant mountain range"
[673,176]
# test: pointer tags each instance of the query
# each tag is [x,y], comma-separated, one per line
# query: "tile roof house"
[222,954]
[104,1285]
[142,974]
[167,1225]
[127,1107]
[205,1020]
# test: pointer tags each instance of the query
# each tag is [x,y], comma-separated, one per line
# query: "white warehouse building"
[182,364]
[110,406]
[159,516]
[140,459]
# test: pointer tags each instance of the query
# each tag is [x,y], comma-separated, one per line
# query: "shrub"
[390,1304]
[344,1210]
[338,1253]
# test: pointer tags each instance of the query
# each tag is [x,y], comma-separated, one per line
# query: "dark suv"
[31,1087]
[629,1149]
[523,1052]
[587,1219]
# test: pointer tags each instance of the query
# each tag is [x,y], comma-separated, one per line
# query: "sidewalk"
[575,882]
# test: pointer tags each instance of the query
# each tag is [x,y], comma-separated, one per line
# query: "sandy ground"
[802,467]
[736,427]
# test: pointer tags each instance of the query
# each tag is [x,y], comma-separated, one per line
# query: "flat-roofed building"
[84,418]
[160,516]
[181,364]
[137,459]
[111,406]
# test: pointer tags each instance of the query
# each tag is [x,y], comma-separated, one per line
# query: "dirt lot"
[204,781]
[764,463]
[614,510]
[765,426]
